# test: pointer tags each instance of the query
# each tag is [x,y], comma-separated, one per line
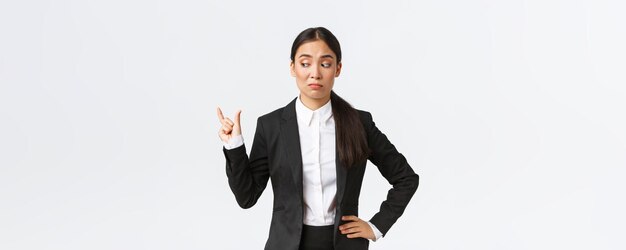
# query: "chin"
[318,95]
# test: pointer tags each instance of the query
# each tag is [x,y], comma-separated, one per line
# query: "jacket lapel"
[341,179]
[291,139]
[341,188]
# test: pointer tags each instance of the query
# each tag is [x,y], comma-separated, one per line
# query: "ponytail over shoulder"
[349,131]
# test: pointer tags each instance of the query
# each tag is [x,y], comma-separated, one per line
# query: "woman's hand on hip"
[229,128]
[356,228]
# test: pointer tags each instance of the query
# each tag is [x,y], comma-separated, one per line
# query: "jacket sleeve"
[395,168]
[248,176]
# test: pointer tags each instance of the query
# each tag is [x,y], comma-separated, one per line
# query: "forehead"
[317,48]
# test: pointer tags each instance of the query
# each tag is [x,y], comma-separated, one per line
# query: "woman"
[315,150]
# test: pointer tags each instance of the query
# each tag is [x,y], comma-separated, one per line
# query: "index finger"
[219,114]
[349,225]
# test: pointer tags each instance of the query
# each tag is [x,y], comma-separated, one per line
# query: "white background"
[512,113]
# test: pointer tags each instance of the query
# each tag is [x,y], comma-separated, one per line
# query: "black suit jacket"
[276,154]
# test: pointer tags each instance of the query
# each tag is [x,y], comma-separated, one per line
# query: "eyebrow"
[324,56]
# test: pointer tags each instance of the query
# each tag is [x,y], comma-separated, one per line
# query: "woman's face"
[315,68]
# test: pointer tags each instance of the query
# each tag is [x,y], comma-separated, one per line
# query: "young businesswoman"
[315,151]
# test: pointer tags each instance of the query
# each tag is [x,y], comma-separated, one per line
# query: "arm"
[247,176]
[395,168]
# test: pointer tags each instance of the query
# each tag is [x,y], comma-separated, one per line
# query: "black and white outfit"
[295,147]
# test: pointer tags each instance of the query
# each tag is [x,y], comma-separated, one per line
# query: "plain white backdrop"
[512,113]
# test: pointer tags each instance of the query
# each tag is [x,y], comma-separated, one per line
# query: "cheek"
[301,73]
[330,73]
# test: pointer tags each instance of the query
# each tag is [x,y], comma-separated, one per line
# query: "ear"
[338,71]
[292,69]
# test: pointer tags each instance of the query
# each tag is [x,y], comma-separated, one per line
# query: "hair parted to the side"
[350,134]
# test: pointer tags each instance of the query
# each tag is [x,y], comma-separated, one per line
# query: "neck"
[314,104]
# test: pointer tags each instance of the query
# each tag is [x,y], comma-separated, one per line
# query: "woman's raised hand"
[229,128]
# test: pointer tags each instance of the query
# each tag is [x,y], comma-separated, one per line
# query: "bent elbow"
[245,203]
[411,182]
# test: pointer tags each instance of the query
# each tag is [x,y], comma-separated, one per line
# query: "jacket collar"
[306,115]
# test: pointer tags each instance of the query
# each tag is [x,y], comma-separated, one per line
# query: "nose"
[315,73]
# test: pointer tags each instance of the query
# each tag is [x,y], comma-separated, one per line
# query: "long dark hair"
[350,134]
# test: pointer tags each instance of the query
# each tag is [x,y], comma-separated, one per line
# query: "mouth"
[315,86]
